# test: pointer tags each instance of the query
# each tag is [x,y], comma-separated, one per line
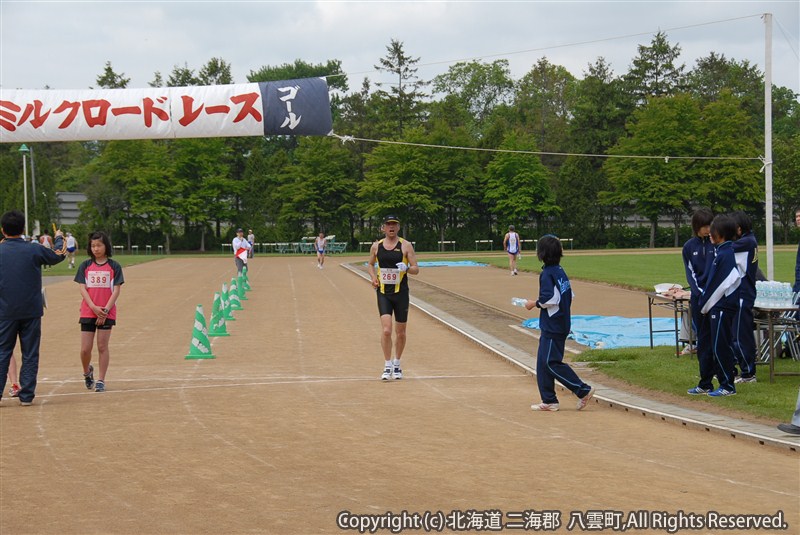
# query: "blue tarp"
[444,263]
[614,331]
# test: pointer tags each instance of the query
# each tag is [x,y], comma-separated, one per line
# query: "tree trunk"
[653,227]
[202,238]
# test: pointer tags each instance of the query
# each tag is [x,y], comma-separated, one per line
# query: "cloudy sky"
[65,44]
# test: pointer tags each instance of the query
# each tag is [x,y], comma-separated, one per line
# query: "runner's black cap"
[391,219]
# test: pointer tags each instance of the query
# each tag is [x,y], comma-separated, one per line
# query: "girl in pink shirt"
[100,279]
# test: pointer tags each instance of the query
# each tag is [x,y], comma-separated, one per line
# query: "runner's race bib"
[390,276]
[98,279]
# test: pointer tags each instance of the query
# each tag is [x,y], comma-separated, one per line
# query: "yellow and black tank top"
[392,279]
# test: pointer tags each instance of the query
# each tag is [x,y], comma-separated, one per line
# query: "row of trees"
[457,157]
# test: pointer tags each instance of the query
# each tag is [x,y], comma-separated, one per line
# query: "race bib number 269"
[390,276]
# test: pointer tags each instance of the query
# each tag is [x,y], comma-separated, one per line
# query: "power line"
[666,158]
[563,45]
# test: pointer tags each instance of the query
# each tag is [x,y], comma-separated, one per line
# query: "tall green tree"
[518,185]
[652,187]
[478,87]
[109,79]
[206,188]
[656,71]
[726,185]
[598,121]
[397,180]
[320,186]
[786,181]
[182,77]
[543,103]
[405,95]
[216,71]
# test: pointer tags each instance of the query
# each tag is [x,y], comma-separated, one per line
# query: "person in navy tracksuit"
[720,301]
[796,287]
[745,250]
[555,302]
[698,253]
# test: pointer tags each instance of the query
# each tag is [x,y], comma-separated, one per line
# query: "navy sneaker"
[88,378]
[100,386]
[697,391]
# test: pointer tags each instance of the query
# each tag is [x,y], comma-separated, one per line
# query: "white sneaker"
[386,375]
[739,380]
[582,402]
[397,373]
[545,407]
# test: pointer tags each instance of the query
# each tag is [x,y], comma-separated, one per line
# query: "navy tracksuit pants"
[550,366]
[30,334]
[705,356]
[744,340]
[723,323]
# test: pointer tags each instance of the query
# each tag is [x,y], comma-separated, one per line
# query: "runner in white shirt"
[72,246]
[319,246]
[513,246]
[239,244]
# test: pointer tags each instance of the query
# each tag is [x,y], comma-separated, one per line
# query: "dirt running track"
[290,425]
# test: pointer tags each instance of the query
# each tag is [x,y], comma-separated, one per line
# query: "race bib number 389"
[390,276]
[98,279]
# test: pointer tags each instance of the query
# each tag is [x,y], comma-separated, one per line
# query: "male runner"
[396,260]
[512,245]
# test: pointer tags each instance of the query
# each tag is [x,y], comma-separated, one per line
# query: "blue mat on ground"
[610,332]
[458,263]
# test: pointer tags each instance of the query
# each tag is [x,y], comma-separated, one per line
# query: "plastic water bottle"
[759,294]
[519,301]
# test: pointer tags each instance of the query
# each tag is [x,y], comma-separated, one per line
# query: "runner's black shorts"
[88,325]
[396,303]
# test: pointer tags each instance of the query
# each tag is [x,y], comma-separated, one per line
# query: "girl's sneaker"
[100,386]
[545,407]
[88,378]
[14,391]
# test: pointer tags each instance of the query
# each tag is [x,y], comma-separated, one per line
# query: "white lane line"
[277,381]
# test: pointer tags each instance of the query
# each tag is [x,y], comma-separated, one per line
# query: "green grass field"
[635,271]
[659,370]
[63,269]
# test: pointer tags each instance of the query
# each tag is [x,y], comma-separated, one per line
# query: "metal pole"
[768,140]
[33,177]
[25,190]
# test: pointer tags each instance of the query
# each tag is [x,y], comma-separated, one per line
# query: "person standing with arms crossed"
[21,306]
[513,246]
[396,260]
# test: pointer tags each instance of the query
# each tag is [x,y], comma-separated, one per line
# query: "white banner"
[293,107]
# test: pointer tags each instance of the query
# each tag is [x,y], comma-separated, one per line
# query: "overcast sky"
[65,44]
